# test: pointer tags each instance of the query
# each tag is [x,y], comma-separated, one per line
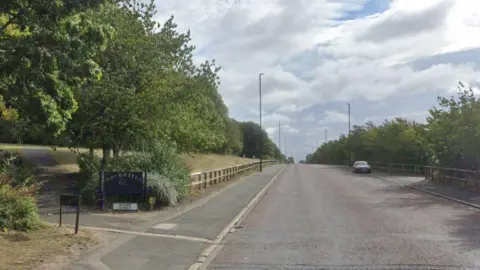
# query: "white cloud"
[274,119]
[420,117]
[309,118]
[310,58]
[333,117]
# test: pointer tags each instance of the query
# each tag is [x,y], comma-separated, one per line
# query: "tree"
[454,130]
[47,51]
[234,144]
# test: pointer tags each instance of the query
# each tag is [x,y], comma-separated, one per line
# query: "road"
[320,217]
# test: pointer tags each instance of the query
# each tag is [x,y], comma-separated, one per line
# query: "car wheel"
[354,171]
[370,171]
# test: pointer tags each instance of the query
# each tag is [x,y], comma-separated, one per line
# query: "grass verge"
[48,248]
[67,160]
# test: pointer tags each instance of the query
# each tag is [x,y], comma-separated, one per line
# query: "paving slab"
[148,253]
[208,220]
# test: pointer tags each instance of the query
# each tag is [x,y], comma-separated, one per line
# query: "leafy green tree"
[454,130]
[252,134]
[47,51]
[234,144]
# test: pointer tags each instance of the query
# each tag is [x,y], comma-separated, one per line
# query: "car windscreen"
[361,163]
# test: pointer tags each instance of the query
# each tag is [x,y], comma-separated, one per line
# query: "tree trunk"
[116,151]
[105,156]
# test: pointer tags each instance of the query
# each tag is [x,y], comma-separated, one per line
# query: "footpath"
[449,192]
[460,195]
[168,240]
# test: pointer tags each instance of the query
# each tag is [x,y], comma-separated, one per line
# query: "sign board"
[124,183]
[125,206]
[70,200]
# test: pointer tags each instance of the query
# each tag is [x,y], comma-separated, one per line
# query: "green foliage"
[252,138]
[46,54]
[234,144]
[167,177]
[451,138]
[18,210]
[16,170]
[395,141]
[103,74]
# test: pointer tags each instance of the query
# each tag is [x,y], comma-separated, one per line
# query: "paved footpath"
[171,243]
[321,217]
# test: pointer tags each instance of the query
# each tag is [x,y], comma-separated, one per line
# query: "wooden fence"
[203,180]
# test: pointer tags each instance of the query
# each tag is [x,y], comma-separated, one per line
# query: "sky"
[387,58]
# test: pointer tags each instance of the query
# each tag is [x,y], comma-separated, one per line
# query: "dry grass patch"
[67,160]
[48,248]
[208,162]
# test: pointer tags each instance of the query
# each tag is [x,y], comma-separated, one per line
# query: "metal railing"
[468,179]
[203,180]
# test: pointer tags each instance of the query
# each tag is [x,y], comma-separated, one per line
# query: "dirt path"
[53,180]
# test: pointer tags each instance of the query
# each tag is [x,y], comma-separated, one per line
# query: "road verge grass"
[67,160]
[47,248]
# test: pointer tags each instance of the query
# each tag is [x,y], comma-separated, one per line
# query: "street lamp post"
[349,152]
[260,112]
[348,118]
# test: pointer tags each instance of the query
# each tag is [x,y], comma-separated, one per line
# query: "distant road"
[325,217]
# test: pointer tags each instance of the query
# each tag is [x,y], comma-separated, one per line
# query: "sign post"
[123,184]
[72,201]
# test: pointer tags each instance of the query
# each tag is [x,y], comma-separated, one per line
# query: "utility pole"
[348,118]
[280,140]
[349,152]
[326,140]
[316,143]
[260,112]
[285,148]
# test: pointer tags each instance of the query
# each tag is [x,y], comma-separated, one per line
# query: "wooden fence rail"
[203,180]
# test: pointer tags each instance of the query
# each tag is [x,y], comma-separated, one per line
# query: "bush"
[18,210]
[18,171]
[167,178]
[163,189]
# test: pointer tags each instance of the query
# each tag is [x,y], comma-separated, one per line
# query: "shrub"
[167,178]
[18,171]
[163,189]
[18,210]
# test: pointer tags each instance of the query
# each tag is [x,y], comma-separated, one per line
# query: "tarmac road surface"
[322,217]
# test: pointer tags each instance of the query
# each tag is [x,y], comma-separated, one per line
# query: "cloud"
[320,52]
[309,118]
[397,23]
[274,119]
[333,117]
[420,117]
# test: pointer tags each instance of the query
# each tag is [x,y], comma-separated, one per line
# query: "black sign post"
[72,201]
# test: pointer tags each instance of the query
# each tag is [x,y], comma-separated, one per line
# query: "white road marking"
[207,252]
[165,226]
[173,236]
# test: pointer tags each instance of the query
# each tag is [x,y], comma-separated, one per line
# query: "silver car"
[361,166]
